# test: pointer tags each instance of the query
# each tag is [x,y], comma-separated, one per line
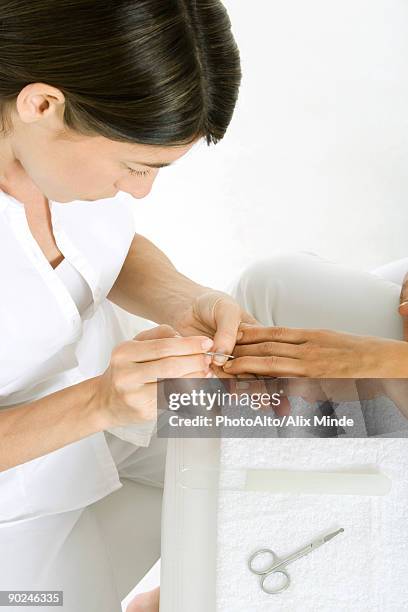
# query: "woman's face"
[93,168]
[67,166]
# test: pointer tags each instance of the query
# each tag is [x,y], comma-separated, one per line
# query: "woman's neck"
[16,182]
[37,211]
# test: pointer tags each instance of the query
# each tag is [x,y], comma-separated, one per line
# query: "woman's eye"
[138,172]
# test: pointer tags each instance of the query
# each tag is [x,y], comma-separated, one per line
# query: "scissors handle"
[282,586]
[269,570]
[277,566]
[259,553]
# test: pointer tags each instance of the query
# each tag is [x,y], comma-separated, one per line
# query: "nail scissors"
[220,354]
[277,565]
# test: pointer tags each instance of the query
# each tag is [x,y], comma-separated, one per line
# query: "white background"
[316,157]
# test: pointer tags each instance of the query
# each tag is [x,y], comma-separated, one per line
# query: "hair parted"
[158,72]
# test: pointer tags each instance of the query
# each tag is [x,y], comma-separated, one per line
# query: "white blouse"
[75,284]
[57,329]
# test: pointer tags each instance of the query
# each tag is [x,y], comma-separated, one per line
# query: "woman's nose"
[139,191]
[137,188]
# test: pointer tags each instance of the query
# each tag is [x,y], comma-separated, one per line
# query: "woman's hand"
[127,392]
[277,351]
[215,314]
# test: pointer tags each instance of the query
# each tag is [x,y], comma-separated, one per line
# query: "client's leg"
[393,271]
[303,290]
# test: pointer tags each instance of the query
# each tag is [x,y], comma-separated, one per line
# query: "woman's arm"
[150,286]
[125,393]
[31,430]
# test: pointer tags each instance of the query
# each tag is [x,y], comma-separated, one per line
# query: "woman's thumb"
[157,332]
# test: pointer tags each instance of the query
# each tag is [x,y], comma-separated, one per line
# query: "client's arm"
[289,352]
[317,353]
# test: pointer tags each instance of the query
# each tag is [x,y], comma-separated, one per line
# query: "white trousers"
[304,290]
[97,554]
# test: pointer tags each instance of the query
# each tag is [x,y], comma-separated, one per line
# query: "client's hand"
[403,307]
[277,351]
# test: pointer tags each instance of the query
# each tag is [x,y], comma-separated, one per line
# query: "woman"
[95,98]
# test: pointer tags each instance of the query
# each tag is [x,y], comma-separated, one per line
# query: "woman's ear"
[37,101]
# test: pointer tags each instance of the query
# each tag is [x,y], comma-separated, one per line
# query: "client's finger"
[219,372]
[266,366]
[252,334]
[403,306]
[263,349]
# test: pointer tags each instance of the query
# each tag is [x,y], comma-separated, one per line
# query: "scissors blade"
[306,549]
[333,534]
[320,541]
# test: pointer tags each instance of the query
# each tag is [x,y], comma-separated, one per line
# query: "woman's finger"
[198,374]
[151,350]
[248,319]
[227,316]
[159,331]
[170,367]
[263,349]
[266,366]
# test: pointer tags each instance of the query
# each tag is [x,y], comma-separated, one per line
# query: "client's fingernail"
[207,344]
[220,359]
[228,365]
[240,335]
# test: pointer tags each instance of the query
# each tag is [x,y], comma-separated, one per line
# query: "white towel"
[364,569]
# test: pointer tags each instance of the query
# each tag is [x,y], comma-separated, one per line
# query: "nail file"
[287,481]
[328,483]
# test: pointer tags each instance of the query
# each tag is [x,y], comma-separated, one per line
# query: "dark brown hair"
[144,71]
